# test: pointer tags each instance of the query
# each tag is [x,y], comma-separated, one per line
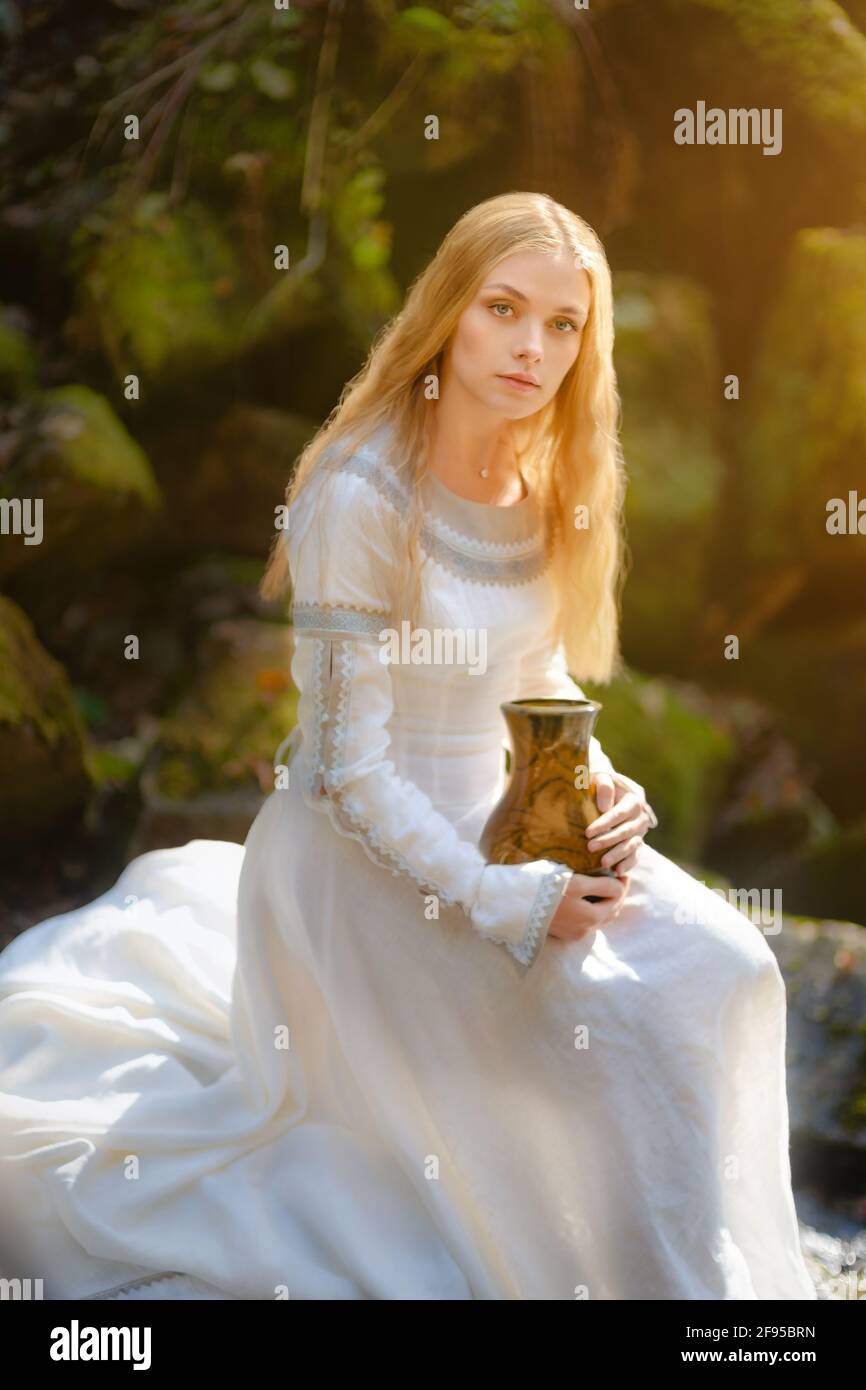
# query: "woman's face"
[527,318]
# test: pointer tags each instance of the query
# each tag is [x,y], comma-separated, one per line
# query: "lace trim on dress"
[550,893]
[469,557]
[483,569]
[129,1284]
[473,545]
[322,782]
[327,618]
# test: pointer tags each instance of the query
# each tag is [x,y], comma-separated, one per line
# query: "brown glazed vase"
[542,814]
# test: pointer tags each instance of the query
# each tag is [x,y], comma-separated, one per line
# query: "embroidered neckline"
[470,557]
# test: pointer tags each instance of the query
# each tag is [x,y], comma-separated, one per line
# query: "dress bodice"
[401,734]
[486,602]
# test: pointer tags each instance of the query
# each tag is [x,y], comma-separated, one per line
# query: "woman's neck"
[483,468]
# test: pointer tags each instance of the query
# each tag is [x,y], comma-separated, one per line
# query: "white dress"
[275,1069]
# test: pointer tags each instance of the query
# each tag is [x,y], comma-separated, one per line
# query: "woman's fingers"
[624,879]
[633,826]
[595,885]
[621,851]
[627,808]
[636,826]
[576,914]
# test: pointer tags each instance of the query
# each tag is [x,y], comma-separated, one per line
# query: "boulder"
[71,461]
[824,965]
[222,485]
[42,743]
[211,765]
[19,367]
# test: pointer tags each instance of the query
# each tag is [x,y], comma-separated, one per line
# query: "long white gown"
[275,1069]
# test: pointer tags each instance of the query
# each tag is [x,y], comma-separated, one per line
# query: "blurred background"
[162,363]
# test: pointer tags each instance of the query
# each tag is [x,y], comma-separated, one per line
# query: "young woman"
[351,1059]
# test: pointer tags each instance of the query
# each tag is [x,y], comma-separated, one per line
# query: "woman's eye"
[494,307]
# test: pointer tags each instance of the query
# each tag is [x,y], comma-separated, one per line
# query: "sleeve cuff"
[516,903]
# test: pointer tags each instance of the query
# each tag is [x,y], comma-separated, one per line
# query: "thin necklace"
[485,472]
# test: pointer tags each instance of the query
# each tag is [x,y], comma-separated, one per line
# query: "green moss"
[81,433]
[161,291]
[33,687]
[45,776]
[18,362]
[226,730]
[820,51]
[109,768]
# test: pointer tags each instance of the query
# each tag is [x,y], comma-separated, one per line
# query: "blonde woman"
[391,1070]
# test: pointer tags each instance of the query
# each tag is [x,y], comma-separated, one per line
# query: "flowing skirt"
[273,1069]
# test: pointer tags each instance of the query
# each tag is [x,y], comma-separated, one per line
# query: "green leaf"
[370,251]
[273,81]
[424,29]
[219,78]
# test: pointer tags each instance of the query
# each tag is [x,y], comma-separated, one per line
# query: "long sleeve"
[345,705]
[543,673]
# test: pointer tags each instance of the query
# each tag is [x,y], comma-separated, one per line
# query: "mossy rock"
[213,761]
[670,384]
[249,450]
[679,755]
[19,367]
[74,456]
[162,293]
[824,965]
[42,745]
[807,426]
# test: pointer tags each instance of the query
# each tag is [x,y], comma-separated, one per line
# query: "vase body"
[550,798]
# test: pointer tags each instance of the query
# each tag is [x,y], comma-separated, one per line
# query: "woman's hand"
[575,915]
[624,818]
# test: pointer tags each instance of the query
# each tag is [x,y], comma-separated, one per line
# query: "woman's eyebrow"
[518,294]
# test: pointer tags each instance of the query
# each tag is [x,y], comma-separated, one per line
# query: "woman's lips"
[518,384]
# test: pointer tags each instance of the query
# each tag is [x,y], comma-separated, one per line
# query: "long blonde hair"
[569,450]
